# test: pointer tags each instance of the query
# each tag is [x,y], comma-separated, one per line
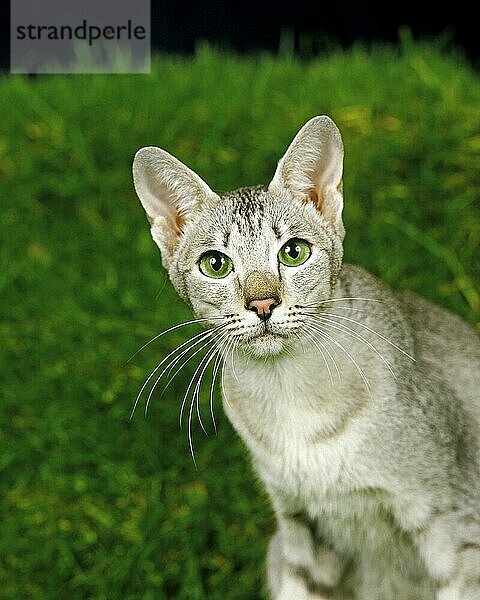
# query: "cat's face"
[256,245]
[253,260]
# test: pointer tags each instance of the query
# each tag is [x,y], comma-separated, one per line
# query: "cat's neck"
[311,389]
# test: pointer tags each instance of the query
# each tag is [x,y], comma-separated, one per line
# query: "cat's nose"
[263,307]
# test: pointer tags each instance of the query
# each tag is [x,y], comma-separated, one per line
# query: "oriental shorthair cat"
[360,406]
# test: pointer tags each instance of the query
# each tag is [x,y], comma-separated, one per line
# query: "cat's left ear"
[312,169]
[169,192]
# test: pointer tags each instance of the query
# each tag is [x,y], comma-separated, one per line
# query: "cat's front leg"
[298,565]
[451,550]
[464,581]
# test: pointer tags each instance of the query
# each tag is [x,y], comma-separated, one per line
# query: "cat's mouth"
[268,330]
[267,341]
[266,335]
[262,336]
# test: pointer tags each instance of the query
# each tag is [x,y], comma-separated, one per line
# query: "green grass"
[96,507]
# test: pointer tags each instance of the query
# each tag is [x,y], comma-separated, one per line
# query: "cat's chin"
[265,345]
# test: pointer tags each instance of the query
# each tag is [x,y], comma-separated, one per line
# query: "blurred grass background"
[94,506]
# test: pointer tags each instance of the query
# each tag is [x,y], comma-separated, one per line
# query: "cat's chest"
[362,523]
[302,431]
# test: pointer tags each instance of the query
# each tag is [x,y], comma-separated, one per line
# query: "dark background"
[308,28]
[250,26]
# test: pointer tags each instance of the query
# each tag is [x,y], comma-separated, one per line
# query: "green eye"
[215,264]
[294,253]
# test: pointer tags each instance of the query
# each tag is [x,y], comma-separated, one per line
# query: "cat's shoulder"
[354,281]
[424,318]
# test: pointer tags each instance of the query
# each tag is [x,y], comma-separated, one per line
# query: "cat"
[360,406]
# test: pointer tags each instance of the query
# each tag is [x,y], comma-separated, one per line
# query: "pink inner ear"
[318,200]
[176,222]
[315,198]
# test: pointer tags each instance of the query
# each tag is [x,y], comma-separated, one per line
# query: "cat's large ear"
[312,168]
[169,191]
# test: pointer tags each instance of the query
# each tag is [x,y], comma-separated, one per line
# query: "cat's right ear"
[169,192]
[311,170]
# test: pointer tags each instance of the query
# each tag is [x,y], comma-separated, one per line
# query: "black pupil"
[216,261]
[293,250]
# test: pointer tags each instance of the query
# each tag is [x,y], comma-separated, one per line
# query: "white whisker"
[190,437]
[216,367]
[355,335]
[314,342]
[190,343]
[212,333]
[219,362]
[233,367]
[323,333]
[171,365]
[343,317]
[159,335]
[169,368]
[231,345]
[211,354]
[194,401]
[361,311]
[216,345]
[356,298]
[162,362]
[193,376]
[329,300]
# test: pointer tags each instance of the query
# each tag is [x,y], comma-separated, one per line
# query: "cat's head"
[255,258]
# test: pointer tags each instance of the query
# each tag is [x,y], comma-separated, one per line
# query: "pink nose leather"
[263,307]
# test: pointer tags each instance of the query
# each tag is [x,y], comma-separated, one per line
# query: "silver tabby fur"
[360,406]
